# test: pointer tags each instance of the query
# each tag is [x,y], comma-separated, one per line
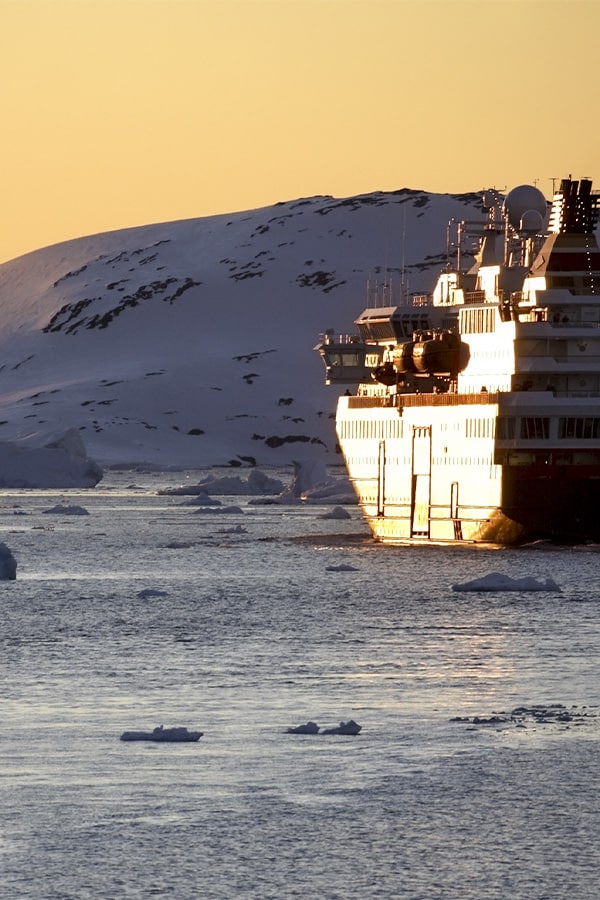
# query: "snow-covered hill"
[190,343]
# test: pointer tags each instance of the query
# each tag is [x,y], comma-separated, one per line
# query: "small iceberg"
[202,499]
[338,512]
[309,728]
[495,581]
[61,463]
[8,564]
[311,483]
[163,735]
[257,483]
[343,567]
[349,727]
[63,509]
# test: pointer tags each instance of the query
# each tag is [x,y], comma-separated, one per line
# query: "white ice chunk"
[496,581]
[312,483]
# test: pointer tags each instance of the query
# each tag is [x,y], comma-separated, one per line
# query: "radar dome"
[520,203]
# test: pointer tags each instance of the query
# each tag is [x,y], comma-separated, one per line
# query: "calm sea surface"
[242,635]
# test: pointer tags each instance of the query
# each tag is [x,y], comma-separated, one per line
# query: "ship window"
[578,427]
[478,428]
[520,459]
[342,359]
[477,321]
[505,428]
[535,427]
[586,459]
[561,281]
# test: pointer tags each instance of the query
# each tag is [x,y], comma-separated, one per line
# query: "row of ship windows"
[538,427]
[477,321]
[404,463]
[498,458]
[505,428]
[372,429]
[483,321]
[480,428]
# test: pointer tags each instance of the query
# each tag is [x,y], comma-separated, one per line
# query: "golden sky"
[118,113]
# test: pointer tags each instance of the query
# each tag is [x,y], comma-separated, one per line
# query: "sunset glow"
[125,112]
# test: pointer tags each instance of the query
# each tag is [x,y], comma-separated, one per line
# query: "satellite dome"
[526,208]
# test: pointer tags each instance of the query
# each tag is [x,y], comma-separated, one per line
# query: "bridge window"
[579,427]
[535,428]
[505,428]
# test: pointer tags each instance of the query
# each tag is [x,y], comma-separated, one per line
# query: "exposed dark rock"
[276,441]
[68,316]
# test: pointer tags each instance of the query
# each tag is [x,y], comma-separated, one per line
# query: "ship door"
[381,480]
[421,481]
[454,511]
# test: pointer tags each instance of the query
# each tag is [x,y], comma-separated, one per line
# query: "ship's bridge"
[387,324]
[347,358]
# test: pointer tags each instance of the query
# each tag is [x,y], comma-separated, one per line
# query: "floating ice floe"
[257,483]
[66,510]
[163,735]
[495,581]
[202,499]
[211,510]
[350,728]
[8,564]
[309,728]
[311,483]
[338,512]
[151,592]
[539,714]
[235,529]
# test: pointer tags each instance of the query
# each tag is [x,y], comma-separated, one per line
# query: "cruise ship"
[473,414]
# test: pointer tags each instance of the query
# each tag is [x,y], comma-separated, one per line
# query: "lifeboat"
[440,353]
[385,374]
[402,357]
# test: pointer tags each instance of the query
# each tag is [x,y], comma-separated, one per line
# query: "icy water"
[253,635]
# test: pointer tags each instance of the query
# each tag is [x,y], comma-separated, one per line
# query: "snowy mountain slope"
[190,343]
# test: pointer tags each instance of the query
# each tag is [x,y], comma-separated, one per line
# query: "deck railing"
[406,400]
[449,399]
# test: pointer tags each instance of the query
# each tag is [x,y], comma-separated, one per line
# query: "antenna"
[448,242]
